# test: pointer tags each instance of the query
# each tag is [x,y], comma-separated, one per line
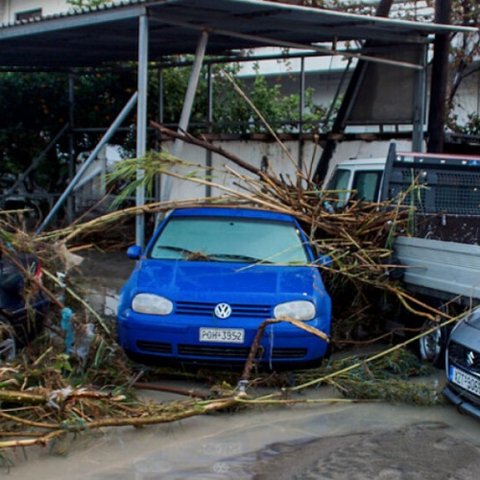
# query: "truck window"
[340,181]
[367,185]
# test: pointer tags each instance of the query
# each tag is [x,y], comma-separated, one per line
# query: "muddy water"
[354,441]
[315,441]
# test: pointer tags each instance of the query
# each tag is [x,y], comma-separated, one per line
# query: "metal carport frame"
[166,27]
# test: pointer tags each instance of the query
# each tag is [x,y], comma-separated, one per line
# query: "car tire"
[431,347]
[8,344]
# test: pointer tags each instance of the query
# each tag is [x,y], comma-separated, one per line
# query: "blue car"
[208,279]
[21,312]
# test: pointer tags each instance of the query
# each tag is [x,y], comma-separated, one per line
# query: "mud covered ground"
[331,441]
[416,451]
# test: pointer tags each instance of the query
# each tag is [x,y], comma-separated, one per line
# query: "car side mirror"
[324,261]
[134,252]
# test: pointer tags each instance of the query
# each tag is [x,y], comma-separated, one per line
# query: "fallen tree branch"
[188,138]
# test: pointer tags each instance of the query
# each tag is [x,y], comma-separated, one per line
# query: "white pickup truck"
[442,255]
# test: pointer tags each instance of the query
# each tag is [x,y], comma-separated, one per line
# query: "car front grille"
[213,351]
[289,352]
[236,352]
[464,357]
[155,347]
[238,310]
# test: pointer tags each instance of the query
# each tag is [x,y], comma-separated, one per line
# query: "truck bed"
[441,269]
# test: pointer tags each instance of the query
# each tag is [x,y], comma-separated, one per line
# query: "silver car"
[463,365]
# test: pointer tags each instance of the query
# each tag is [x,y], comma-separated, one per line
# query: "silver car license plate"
[465,380]
[222,335]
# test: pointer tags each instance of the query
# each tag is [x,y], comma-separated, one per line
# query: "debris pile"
[62,384]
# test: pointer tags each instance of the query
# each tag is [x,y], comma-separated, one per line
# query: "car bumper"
[26,321]
[465,405]
[281,343]
[463,358]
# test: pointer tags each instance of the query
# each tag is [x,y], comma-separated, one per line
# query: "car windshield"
[230,240]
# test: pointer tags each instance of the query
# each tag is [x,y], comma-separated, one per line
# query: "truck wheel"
[431,347]
[8,346]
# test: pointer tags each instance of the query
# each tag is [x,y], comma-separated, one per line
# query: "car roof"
[362,162]
[236,212]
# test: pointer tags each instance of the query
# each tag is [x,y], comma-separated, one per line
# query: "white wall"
[253,151]
[11,7]
[467,99]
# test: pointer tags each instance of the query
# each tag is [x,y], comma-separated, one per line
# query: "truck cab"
[447,187]
[364,176]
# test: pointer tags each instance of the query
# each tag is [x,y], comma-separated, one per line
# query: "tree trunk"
[438,89]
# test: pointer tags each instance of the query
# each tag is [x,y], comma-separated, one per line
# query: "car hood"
[209,279]
[474,319]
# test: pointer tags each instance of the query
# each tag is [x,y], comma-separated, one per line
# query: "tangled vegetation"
[54,389]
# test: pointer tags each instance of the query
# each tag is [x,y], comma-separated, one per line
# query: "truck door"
[367,185]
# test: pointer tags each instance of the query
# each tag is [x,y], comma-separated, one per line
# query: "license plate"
[465,380]
[222,335]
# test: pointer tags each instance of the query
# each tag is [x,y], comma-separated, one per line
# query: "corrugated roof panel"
[109,33]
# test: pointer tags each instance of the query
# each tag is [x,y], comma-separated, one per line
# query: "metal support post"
[161,110]
[141,122]
[209,155]
[301,112]
[71,145]
[158,177]
[161,99]
[420,104]
[113,128]
[191,89]
[187,106]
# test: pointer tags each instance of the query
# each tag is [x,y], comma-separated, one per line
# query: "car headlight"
[152,304]
[298,309]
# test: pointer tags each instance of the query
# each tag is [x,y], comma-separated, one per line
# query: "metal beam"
[68,22]
[141,122]
[420,105]
[208,153]
[191,89]
[158,137]
[287,44]
[36,161]
[71,144]
[113,128]
[187,106]
[301,111]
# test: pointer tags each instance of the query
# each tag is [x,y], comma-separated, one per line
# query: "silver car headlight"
[298,309]
[152,304]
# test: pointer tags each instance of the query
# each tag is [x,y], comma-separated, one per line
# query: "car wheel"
[8,346]
[431,346]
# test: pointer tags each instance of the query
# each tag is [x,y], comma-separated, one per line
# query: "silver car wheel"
[432,345]
[8,347]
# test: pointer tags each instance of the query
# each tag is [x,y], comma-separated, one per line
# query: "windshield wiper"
[234,256]
[189,254]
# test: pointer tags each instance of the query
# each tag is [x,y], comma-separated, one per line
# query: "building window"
[27,15]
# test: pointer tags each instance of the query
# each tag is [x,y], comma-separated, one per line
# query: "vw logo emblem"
[223,310]
[470,358]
